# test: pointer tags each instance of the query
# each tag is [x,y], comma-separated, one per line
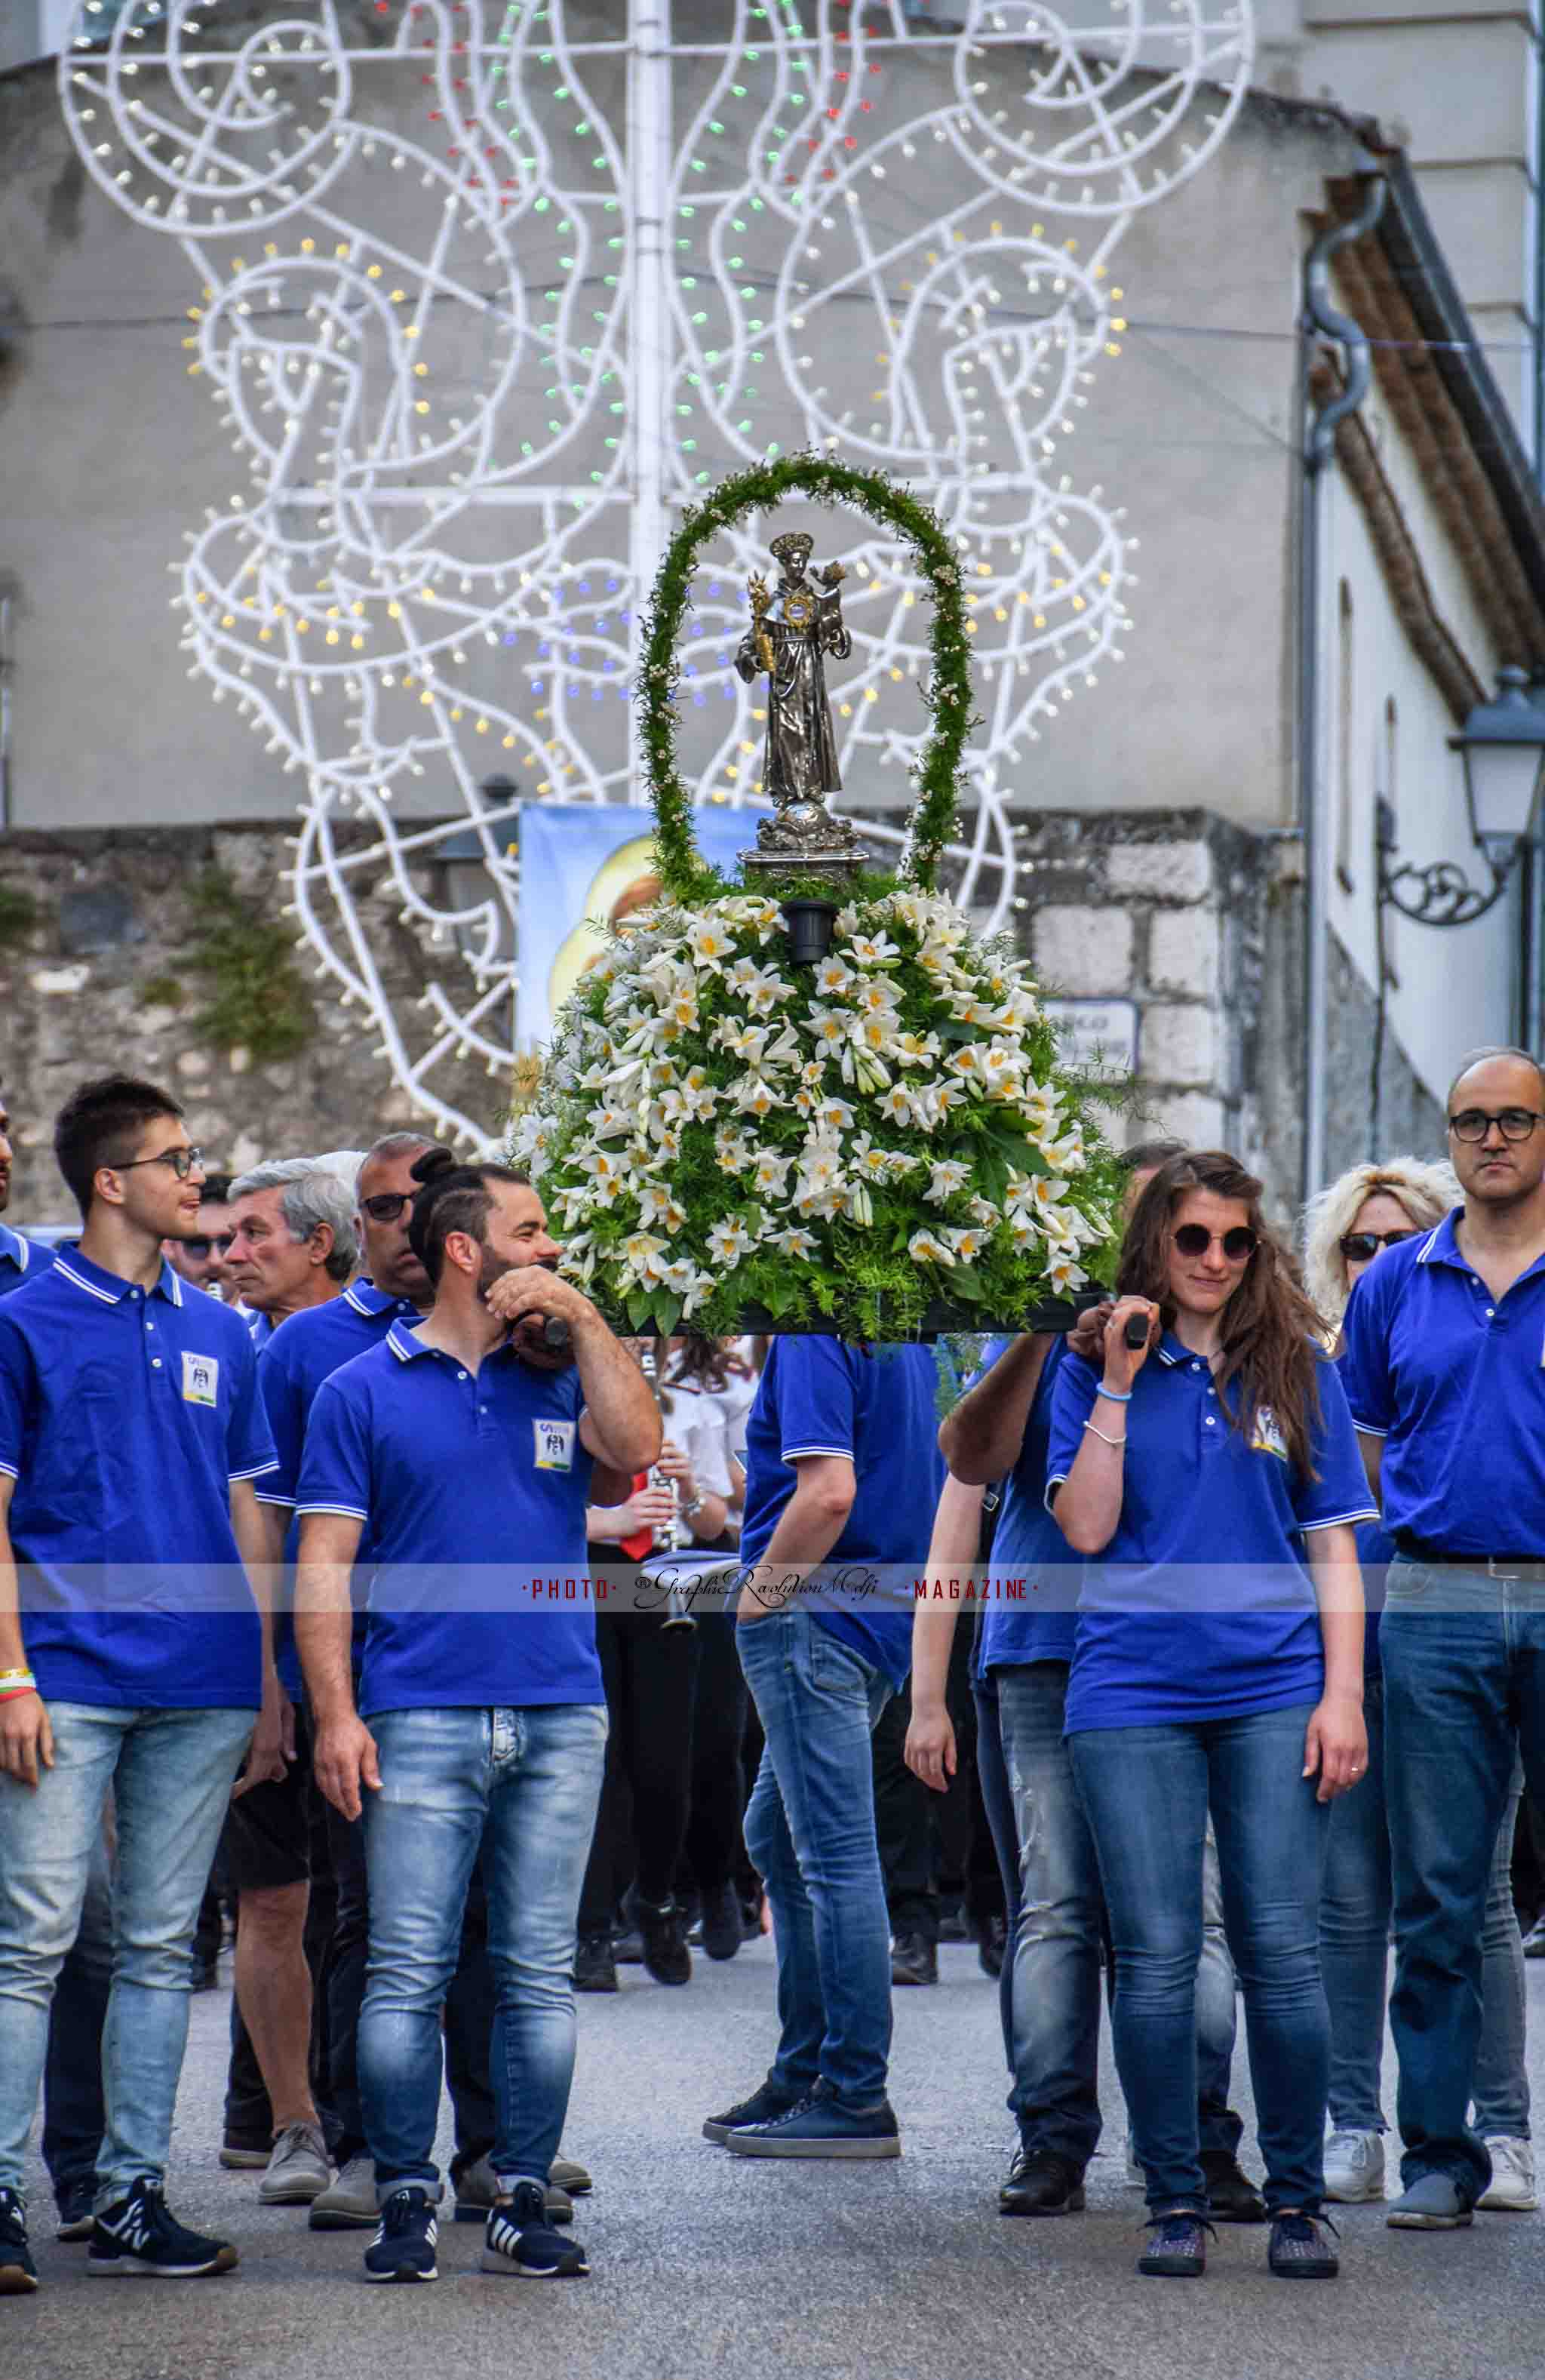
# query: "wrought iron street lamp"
[1502,747]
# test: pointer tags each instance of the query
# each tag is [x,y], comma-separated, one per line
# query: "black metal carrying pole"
[939,1321]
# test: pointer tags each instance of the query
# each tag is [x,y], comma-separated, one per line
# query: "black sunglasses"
[201,1244]
[1357,1246]
[1195,1239]
[386,1205]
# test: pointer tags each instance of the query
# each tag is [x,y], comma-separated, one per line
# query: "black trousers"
[649,1671]
[934,1846]
[714,1847]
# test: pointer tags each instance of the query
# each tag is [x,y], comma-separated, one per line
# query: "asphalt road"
[708,2263]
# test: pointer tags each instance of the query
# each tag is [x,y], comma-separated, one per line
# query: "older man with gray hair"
[295,1239]
[294,1245]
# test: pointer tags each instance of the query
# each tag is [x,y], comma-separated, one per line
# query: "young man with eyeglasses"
[1445,1377]
[131,1430]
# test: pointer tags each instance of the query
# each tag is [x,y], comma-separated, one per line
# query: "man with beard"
[480,1708]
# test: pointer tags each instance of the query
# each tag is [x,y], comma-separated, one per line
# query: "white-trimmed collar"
[13,1246]
[109,1288]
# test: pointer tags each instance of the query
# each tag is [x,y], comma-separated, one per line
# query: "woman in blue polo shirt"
[1218,1669]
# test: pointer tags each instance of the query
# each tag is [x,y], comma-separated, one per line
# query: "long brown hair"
[1270,1329]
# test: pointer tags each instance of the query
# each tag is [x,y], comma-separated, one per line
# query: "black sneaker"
[595,1964]
[722,1921]
[1041,2183]
[1232,2196]
[666,1955]
[1177,2250]
[18,2275]
[1300,2248]
[403,2247]
[141,2234]
[914,1959]
[764,2102]
[520,2240]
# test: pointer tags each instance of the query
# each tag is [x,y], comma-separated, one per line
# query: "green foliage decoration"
[947,695]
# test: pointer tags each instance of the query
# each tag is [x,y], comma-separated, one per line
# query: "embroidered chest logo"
[1267,1437]
[555,1445]
[201,1380]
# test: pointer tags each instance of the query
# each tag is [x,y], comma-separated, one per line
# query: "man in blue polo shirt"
[470,1470]
[1445,1377]
[20,1259]
[842,1467]
[131,1430]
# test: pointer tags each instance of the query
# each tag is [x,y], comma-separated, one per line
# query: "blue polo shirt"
[878,1407]
[124,1416]
[21,1260]
[1028,1547]
[471,1491]
[1454,1383]
[293,1364]
[1201,1606]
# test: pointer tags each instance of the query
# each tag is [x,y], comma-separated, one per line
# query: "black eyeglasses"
[201,1244]
[1195,1239]
[1513,1123]
[386,1205]
[181,1160]
[1359,1246]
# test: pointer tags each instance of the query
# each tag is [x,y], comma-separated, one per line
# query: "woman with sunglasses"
[1218,1669]
[1345,1228]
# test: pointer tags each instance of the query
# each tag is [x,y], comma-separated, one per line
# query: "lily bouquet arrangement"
[879,1145]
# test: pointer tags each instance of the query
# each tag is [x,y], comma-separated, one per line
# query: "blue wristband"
[1113,1398]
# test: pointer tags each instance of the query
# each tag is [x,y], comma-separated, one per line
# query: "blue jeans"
[1147,1792]
[1356,1900]
[810,1832]
[170,1772]
[522,1785]
[1463,1661]
[74,2112]
[1060,1925]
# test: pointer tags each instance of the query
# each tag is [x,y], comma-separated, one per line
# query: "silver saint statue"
[793,630]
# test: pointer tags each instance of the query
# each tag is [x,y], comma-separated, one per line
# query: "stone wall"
[86,986]
[1195,921]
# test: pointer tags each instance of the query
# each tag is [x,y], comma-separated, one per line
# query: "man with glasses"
[131,1430]
[201,1258]
[1445,1378]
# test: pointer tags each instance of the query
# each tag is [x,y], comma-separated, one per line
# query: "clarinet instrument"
[675,1535]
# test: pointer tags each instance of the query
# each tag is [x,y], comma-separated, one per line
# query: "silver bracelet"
[1103,1439]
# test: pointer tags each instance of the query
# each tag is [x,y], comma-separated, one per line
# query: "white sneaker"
[1354,2166]
[1511,2189]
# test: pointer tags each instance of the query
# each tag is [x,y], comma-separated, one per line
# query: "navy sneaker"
[821,2126]
[140,2236]
[18,2275]
[1177,2250]
[75,2212]
[764,2102]
[521,2242]
[403,2247]
[1301,2248]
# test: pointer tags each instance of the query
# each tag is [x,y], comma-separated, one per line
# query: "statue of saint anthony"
[791,632]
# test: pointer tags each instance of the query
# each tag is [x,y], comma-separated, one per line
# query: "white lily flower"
[875,949]
[793,1242]
[945,1180]
[923,1248]
[729,1241]
[833,977]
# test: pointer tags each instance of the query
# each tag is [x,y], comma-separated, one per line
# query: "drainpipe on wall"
[1320,322]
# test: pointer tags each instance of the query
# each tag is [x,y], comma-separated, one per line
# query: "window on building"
[1346,694]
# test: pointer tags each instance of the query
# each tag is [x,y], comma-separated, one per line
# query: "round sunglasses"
[1359,1246]
[1194,1240]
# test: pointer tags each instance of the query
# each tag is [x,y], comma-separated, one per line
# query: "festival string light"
[483,301]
